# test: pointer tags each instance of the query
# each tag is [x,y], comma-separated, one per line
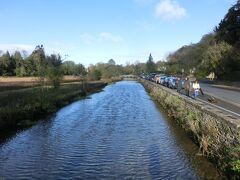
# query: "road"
[228,99]
[229,96]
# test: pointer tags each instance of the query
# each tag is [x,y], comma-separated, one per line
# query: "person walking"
[179,83]
[196,88]
[187,86]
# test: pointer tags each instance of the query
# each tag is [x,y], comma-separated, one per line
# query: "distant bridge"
[130,77]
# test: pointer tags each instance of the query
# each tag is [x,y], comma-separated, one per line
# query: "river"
[119,133]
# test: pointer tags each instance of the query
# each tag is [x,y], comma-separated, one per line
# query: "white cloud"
[169,10]
[106,36]
[87,38]
[17,47]
[58,47]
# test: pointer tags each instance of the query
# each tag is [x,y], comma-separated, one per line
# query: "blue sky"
[92,31]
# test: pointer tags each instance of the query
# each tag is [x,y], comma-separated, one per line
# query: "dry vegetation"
[15,83]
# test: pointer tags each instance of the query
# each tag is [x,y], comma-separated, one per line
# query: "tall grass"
[27,105]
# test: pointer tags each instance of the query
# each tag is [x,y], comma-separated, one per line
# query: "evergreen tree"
[36,63]
[150,65]
[39,60]
[20,66]
[7,65]
[111,62]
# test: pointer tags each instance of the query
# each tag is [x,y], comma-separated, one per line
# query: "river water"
[119,133]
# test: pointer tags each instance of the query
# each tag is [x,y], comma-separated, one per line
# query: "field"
[15,83]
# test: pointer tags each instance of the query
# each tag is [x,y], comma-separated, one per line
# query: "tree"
[215,58]
[68,67]
[7,65]
[54,70]
[190,56]
[229,28]
[35,64]
[137,68]
[39,59]
[150,65]
[30,66]
[94,73]
[111,62]
[20,66]
[80,70]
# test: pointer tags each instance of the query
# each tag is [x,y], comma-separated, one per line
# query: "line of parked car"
[188,86]
[168,81]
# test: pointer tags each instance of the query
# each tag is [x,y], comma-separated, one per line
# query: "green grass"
[23,107]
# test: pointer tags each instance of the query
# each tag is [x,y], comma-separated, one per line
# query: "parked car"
[162,79]
[151,76]
[157,78]
[166,81]
[172,82]
[143,76]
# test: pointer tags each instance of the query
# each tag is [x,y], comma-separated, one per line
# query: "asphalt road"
[225,98]
[229,96]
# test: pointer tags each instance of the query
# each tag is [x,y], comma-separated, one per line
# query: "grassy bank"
[217,140]
[25,106]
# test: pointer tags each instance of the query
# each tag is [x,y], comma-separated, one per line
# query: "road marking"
[219,107]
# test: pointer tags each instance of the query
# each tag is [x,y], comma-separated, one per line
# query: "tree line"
[35,63]
[217,52]
[39,64]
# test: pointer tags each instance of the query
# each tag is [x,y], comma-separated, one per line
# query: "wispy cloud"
[169,10]
[87,38]
[101,37]
[58,47]
[106,36]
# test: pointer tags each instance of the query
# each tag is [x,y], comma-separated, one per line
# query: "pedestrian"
[187,86]
[179,84]
[196,88]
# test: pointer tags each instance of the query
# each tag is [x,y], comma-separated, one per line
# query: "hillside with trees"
[217,52]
